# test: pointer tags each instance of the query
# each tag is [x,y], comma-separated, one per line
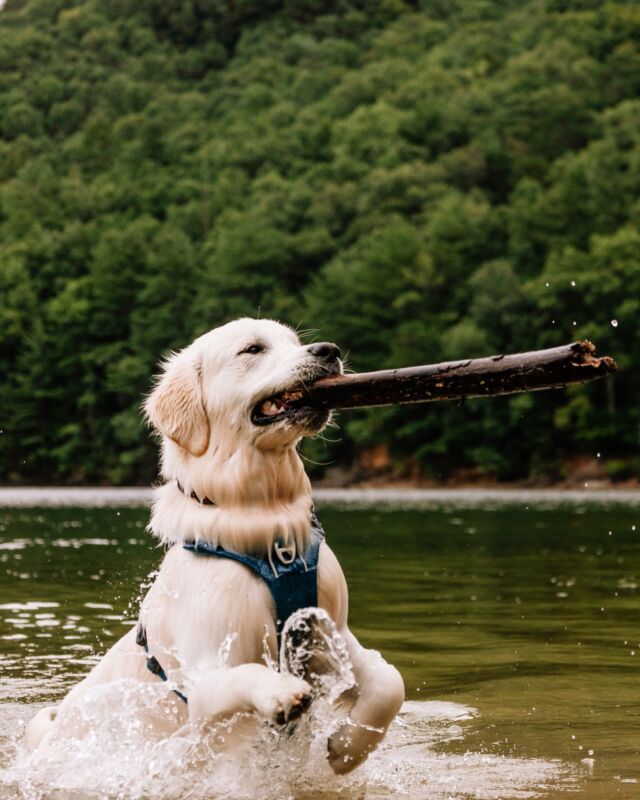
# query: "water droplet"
[614,323]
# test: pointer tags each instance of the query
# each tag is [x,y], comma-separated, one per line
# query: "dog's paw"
[281,698]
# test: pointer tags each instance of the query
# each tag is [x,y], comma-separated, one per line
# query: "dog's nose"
[325,350]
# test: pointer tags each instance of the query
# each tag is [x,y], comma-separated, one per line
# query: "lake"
[515,627]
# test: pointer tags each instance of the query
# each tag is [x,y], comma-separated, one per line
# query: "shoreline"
[356,497]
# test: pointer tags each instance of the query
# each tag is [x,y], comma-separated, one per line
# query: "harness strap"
[292,579]
[153,665]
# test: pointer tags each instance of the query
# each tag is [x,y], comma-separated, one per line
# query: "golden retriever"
[233,479]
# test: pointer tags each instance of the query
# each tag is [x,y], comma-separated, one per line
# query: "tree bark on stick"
[457,380]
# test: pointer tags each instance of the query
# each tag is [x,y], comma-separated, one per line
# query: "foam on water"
[118,758]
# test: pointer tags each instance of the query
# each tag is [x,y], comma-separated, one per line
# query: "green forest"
[416,181]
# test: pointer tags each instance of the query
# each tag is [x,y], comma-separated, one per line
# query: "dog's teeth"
[271,407]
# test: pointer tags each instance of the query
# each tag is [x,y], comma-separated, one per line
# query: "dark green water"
[528,616]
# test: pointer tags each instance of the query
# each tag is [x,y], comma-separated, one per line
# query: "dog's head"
[228,383]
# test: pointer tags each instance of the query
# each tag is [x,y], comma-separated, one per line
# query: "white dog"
[236,501]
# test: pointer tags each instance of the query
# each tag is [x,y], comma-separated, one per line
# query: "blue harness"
[292,579]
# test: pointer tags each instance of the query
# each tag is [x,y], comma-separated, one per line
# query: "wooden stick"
[456,380]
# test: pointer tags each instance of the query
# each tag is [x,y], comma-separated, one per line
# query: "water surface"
[515,629]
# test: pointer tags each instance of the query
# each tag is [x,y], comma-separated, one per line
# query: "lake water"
[515,628]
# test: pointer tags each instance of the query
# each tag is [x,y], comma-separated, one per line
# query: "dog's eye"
[253,349]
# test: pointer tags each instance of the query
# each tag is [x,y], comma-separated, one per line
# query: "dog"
[236,501]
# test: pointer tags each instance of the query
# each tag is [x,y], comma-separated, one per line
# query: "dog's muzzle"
[274,408]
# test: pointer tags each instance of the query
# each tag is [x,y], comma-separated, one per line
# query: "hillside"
[415,181]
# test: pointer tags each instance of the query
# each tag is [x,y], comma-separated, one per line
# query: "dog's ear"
[175,407]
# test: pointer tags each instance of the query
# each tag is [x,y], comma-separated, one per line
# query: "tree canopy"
[416,181]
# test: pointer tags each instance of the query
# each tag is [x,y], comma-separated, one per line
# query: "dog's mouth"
[275,409]
[285,404]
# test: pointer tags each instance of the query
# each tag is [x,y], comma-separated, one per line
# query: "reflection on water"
[516,632]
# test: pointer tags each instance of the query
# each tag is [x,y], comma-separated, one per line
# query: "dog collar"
[203,502]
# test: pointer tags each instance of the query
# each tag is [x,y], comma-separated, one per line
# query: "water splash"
[120,758]
[313,649]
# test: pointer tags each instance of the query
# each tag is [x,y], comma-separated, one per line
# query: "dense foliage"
[416,181]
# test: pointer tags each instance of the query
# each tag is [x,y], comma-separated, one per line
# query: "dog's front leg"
[379,693]
[219,693]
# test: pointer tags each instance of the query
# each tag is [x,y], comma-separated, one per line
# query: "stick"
[455,380]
